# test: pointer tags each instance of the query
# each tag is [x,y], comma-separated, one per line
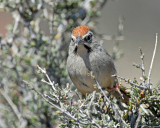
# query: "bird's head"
[81,38]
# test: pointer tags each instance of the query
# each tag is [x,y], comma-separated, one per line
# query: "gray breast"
[78,70]
[97,61]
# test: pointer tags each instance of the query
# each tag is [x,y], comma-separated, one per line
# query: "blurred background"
[38,32]
[141,23]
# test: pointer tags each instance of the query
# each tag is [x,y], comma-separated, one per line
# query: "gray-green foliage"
[40,35]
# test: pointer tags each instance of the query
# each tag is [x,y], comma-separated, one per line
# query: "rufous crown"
[80,31]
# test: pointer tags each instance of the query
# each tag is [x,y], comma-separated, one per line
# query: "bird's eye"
[88,38]
[72,40]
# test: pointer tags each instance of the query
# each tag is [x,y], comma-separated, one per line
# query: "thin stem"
[116,111]
[138,120]
[131,83]
[142,67]
[23,122]
[63,110]
[50,82]
[154,52]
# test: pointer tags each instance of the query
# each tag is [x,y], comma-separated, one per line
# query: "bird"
[86,55]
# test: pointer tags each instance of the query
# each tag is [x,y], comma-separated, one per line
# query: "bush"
[39,37]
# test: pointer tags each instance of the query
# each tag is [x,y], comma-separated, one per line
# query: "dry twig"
[142,67]
[116,111]
[22,121]
[130,82]
[50,82]
[154,52]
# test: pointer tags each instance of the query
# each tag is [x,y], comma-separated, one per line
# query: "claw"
[114,89]
[117,89]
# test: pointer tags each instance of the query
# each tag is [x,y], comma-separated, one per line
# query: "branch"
[142,67]
[154,52]
[50,82]
[56,106]
[130,82]
[41,95]
[116,111]
[23,122]
[138,120]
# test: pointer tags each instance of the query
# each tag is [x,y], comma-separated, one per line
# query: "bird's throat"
[82,49]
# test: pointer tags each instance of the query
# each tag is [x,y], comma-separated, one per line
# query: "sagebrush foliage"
[40,35]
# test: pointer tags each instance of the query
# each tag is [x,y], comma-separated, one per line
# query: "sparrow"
[86,56]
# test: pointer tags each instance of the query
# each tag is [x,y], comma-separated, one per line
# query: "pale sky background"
[142,22]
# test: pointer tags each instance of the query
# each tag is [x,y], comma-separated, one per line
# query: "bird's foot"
[116,89]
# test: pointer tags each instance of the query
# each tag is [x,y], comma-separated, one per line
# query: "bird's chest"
[82,67]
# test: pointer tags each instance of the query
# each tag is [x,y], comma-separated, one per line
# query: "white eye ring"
[73,38]
[88,36]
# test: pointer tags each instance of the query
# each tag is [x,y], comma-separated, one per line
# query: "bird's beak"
[79,41]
